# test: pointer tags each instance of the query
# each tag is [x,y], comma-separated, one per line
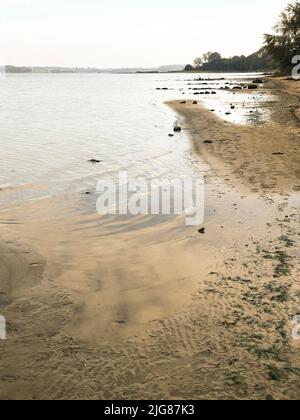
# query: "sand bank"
[264,157]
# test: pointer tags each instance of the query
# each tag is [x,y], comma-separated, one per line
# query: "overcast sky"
[121,33]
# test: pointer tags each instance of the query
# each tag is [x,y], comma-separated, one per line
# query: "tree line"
[277,52]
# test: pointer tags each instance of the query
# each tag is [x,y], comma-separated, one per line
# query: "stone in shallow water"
[177,129]
[252,87]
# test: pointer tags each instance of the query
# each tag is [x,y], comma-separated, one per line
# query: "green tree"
[198,62]
[285,43]
[211,56]
[189,67]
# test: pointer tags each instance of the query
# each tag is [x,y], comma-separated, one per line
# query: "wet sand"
[263,157]
[137,310]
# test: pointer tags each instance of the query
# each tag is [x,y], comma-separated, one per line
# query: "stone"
[95,161]
[177,129]
[252,87]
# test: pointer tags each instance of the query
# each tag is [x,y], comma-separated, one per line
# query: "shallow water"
[51,125]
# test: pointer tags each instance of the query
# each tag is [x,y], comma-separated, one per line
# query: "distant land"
[209,62]
[214,62]
[67,70]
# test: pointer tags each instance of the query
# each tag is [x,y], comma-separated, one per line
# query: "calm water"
[51,125]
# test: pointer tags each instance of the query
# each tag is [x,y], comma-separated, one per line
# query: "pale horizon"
[112,34]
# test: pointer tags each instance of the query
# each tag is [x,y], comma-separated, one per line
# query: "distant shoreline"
[71,70]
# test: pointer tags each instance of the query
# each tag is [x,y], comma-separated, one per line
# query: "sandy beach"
[143,311]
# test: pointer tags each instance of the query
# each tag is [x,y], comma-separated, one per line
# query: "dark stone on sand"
[208,142]
[202,231]
[183,102]
[278,153]
[252,87]
[95,161]
[177,129]
[171,135]
[232,107]
[213,93]
[195,103]
[237,88]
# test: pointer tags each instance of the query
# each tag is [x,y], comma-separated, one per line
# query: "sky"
[130,33]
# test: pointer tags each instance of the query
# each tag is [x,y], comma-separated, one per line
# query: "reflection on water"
[51,125]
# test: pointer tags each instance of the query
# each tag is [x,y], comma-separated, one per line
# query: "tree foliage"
[198,62]
[209,57]
[259,61]
[285,43]
[189,67]
[279,49]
